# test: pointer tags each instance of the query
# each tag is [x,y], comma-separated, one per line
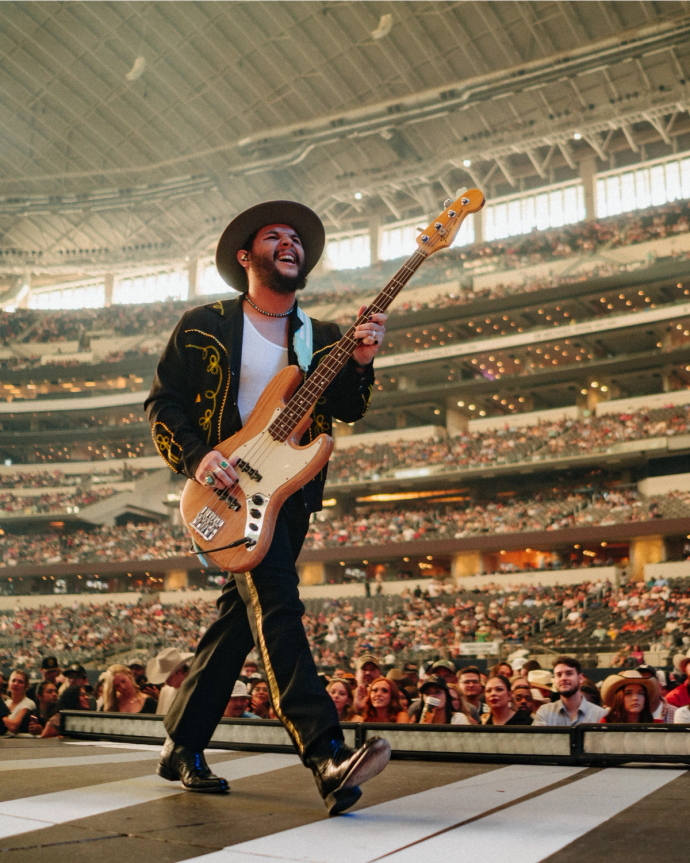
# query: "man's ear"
[243,257]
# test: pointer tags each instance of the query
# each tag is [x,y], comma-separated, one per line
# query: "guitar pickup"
[249,470]
[224,495]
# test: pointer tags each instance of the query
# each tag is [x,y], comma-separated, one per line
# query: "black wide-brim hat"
[303,220]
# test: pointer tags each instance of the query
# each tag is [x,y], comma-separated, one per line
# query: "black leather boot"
[190,767]
[339,770]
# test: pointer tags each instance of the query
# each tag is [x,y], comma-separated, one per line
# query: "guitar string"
[348,344]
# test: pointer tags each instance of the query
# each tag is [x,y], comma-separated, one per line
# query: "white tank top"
[261,361]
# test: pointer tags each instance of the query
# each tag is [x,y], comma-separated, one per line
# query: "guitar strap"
[303,341]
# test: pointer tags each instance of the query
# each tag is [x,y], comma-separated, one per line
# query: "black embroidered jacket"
[192,406]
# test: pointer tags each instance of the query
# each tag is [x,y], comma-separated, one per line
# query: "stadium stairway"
[147,499]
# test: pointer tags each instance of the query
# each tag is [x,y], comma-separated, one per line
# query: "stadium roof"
[134,131]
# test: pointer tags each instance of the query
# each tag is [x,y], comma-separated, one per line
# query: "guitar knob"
[451,213]
[447,203]
[464,201]
[258,499]
[438,225]
[424,238]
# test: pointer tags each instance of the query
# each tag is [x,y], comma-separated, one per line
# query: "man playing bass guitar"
[217,363]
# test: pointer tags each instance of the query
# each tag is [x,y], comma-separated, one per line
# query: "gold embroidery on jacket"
[210,353]
[214,367]
[165,443]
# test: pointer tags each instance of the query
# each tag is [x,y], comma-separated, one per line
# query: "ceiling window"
[520,214]
[151,287]
[348,251]
[69,297]
[649,185]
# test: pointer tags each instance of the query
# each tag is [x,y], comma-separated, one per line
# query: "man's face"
[176,678]
[368,673]
[236,706]
[567,680]
[446,674]
[50,674]
[523,699]
[277,259]
[471,686]
[76,679]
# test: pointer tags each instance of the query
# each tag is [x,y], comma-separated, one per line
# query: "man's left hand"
[370,336]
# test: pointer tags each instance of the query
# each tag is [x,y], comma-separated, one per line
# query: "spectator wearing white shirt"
[18,704]
[572,708]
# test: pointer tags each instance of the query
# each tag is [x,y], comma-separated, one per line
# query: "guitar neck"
[306,397]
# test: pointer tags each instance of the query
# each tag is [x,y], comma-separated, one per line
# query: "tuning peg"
[447,203]
[420,229]
[438,225]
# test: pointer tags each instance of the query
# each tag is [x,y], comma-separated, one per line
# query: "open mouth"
[287,258]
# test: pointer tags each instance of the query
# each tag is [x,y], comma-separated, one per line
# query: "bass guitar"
[234,526]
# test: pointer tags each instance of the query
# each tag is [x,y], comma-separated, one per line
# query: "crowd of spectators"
[400,628]
[585,238]
[72,501]
[366,526]
[436,521]
[548,439]
[515,691]
[120,543]
[58,478]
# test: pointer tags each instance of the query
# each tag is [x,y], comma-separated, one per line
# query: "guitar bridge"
[207,523]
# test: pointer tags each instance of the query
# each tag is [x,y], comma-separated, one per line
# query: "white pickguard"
[276,463]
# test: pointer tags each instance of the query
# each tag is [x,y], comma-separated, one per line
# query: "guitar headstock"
[442,231]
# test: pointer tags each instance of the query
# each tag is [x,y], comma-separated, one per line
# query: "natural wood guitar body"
[269,472]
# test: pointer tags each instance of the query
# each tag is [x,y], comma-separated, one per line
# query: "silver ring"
[215,470]
[209,479]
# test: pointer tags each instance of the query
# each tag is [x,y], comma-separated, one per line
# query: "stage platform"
[87,801]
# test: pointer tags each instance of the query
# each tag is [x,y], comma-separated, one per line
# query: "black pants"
[260,608]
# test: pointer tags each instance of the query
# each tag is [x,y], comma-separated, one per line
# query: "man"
[50,669]
[522,696]
[169,667]
[248,670]
[444,668]
[470,682]
[572,708]
[680,696]
[367,671]
[77,678]
[217,363]
[411,670]
[238,703]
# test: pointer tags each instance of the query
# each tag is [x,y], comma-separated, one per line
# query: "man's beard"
[275,281]
[568,693]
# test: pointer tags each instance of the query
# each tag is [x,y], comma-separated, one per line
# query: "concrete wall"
[529,419]
[664,484]
[658,400]
[670,569]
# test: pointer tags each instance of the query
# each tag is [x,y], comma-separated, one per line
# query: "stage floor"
[73,802]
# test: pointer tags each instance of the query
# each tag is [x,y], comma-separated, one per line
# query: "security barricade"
[595,745]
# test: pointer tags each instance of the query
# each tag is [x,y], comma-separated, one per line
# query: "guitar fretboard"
[306,397]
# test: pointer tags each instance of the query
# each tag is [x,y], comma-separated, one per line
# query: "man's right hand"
[221,469]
